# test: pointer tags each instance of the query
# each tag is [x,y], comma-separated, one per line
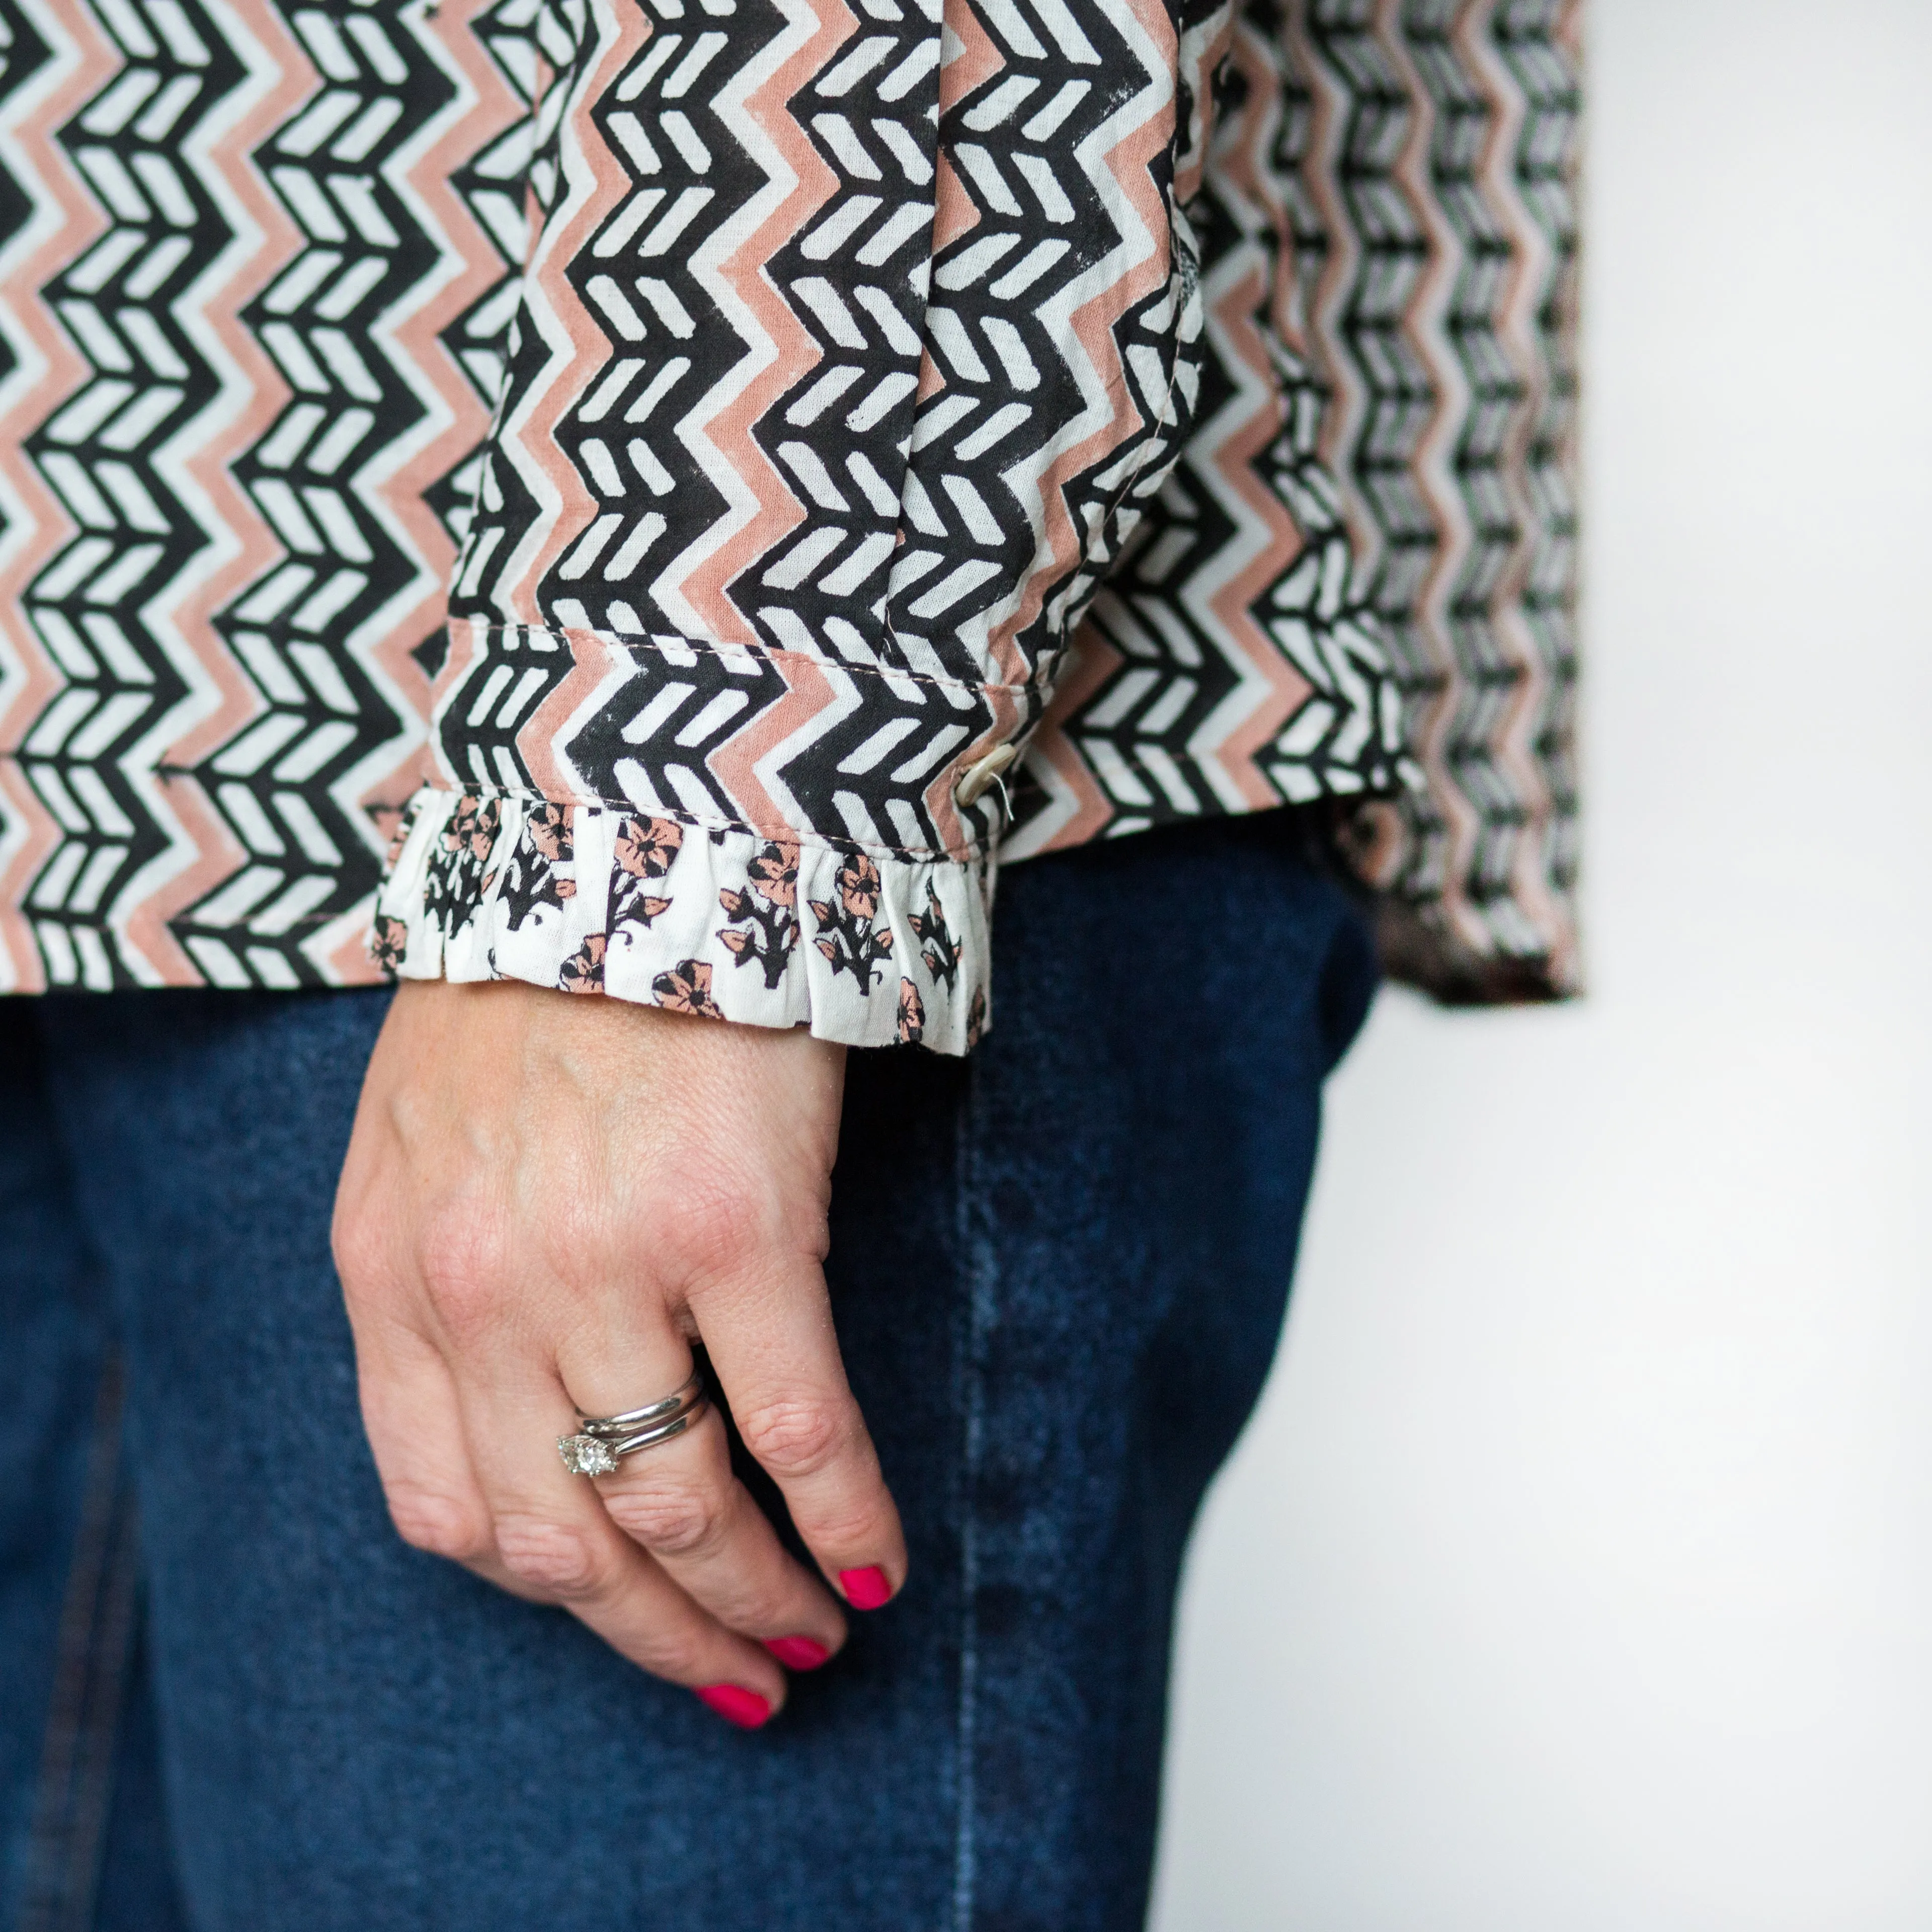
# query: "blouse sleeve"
[850,344]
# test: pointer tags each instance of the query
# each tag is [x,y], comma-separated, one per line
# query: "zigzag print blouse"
[702,482]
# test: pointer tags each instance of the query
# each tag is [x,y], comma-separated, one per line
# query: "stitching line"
[977,1258]
[969,857]
[76,1777]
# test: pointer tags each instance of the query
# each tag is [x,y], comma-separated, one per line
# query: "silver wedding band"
[600,1440]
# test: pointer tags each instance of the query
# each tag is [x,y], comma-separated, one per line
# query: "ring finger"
[680,1501]
[551,1533]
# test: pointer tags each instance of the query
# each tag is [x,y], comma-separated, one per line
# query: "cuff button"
[979,777]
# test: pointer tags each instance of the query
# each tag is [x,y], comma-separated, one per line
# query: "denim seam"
[976,1258]
[68,1833]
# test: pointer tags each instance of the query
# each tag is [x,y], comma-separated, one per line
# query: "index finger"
[776,1354]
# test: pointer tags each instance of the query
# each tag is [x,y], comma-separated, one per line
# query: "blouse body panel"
[698,486]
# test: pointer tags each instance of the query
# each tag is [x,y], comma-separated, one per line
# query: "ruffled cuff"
[863,948]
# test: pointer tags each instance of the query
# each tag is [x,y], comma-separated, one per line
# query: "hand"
[546,1200]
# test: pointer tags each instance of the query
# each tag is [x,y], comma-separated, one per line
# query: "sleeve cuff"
[863,947]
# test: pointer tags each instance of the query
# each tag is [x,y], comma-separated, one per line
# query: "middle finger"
[680,1501]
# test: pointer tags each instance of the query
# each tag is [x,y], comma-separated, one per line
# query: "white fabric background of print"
[1578,1573]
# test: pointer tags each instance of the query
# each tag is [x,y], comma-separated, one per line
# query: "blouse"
[665,497]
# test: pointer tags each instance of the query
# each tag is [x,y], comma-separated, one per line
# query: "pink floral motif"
[388,944]
[766,906]
[583,970]
[775,872]
[976,1018]
[937,948]
[848,934]
[533,876]
[646,847]
[644,850]
[472,828]
[859,887]
[550,832]
[455,881]
[686,988]
[912,1014]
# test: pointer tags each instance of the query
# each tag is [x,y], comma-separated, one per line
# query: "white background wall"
[1577,1573]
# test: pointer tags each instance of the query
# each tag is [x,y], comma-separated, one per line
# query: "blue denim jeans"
[232,1699]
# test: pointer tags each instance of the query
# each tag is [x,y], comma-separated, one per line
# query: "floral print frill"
[864,948]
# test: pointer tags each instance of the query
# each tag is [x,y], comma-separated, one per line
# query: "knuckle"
[670,1519]
[550,1556]
[361,1249]
[462,1263]
[792,1438]
[433,1520]
[704,1234]
[856,1524]
[730,1229]
[671,1656]
[749,1604]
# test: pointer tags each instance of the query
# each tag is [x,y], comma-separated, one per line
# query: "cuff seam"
[973,854]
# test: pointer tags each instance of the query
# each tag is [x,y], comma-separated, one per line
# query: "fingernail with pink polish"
[797,1653]
[736,1705]
[866,1589]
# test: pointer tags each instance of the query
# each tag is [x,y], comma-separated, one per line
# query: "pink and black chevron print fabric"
[699,481]
[1435,235]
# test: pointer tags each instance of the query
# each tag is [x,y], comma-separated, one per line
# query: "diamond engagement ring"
[601,1439]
